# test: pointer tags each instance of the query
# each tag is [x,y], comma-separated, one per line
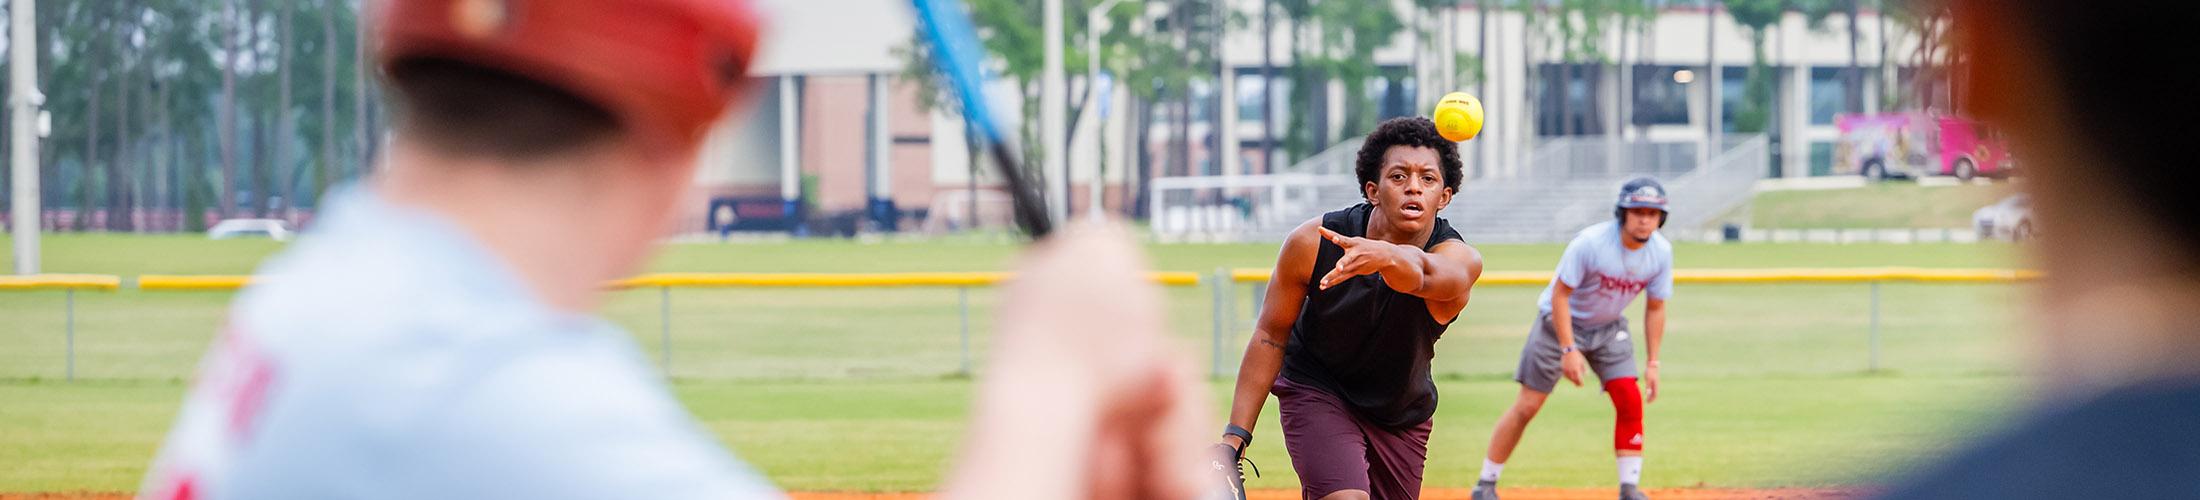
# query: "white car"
[2009,219]
[274,229]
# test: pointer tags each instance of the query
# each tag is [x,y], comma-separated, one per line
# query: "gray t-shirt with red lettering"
[1606,276]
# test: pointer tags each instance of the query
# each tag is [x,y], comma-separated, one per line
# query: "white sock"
[1491,469]
[1630,470]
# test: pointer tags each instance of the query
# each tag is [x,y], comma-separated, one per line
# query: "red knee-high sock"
[1627,404]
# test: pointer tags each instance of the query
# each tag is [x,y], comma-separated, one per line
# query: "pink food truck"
[1911,145]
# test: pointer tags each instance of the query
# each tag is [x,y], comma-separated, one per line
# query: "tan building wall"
[833,113]
[833,141]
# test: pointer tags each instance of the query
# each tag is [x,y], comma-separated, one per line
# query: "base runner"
[1581,325]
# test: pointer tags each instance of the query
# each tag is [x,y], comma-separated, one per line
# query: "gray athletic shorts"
[1608,348]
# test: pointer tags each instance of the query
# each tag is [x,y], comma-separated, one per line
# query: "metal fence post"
[1221,290]
[664,329]
[962,298]
[1229,310]
[1259,297]
[1875,326]
[1253,292]
[69,309]
[1252,316]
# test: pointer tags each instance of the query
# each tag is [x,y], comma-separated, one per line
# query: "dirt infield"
[1462,494]
[1430,494]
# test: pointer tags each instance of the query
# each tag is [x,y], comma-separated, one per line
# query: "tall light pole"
[1226,140]
[1713,78]
[1052,100]
[1092,97]
[23,102]
[1268,88]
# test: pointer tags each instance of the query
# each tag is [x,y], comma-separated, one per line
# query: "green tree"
[1930,57]
[1011,32]
[1344,36]
[184,74]
[1358,31]
[1758,17]
[1579,31]
[81,46]
[143,92]
[1155,49]
[1467,68]
[319,56]
[228,27]
[1852,77]
[920,69]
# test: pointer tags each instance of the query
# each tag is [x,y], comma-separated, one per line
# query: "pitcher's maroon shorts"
[1334,450]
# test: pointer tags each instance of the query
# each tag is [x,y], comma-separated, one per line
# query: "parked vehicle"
[751,213]
[1883,146]
[2008,219]
[274,229]
[1968,149]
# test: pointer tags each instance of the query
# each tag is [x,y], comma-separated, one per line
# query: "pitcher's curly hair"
[1408,131]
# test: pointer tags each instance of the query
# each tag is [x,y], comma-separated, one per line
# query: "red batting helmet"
[668,69]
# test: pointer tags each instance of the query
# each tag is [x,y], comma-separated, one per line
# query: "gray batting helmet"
[1641,192]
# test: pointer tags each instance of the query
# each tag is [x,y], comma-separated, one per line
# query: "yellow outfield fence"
[962,282]
[68,284]
[1751,276]
[665,282]
[1873,276]
[1169,278]
[698,280]
[1223,282]
[852,280]
[97,282]
[167,282]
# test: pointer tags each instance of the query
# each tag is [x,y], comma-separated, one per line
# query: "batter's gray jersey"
[388,355]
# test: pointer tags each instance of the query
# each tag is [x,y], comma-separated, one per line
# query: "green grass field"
[854,389]
[1874,206]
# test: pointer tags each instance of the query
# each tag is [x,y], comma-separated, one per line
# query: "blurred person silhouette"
[2094,103]
[433,337]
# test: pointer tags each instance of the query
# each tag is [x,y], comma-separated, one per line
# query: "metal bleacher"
[1563,186]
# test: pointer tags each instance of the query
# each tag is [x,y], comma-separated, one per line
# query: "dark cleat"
[1485,490]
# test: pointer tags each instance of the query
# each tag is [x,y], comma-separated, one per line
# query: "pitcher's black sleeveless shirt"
[1363,342]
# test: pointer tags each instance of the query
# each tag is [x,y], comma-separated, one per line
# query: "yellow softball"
[1458,116]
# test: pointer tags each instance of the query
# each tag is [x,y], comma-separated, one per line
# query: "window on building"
[1203,101]
[1661,97]
[1378,96]
[1282,100]
[1250,91]
[1399,101]
[1733,83]
[1392,93]
[1568,103]
[1828,95]
[1821,158]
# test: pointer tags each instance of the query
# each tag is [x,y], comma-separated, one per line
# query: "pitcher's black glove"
[1225,465]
